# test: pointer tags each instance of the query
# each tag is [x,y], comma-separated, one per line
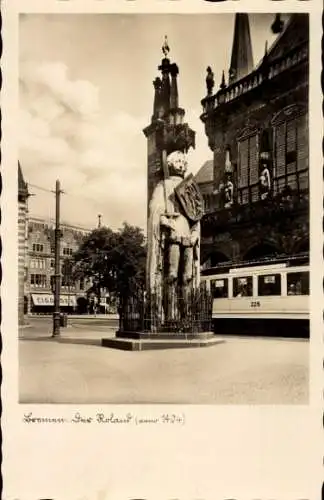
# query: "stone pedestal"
[144,324]
[144,341]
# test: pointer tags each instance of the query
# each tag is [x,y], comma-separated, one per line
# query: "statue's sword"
[166,175]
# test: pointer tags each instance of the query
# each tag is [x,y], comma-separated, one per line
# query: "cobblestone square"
[242,370]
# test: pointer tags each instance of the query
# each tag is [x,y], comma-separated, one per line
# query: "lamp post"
[56,315]
[68,278]
[101,276]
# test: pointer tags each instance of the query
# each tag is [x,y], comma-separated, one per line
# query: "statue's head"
[177,163]
[228,177]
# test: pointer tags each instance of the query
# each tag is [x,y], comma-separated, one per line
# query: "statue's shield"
[190,198]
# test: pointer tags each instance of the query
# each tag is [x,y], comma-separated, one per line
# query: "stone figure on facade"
[210,82]
[228,191]
[264,181]
[175,210]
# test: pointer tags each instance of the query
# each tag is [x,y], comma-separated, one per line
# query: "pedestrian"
[95,301]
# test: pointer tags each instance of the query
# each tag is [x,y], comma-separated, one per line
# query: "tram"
[263,299]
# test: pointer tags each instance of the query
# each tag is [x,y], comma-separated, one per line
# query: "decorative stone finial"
[157,83]
[223,84]
[174,70]
[277,25]
[165,47]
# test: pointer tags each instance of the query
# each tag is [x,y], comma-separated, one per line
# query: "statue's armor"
[181,233]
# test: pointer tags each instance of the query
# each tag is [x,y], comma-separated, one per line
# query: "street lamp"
[101,276]
[68,277]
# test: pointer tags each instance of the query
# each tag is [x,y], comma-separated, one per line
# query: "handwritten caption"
[108,418]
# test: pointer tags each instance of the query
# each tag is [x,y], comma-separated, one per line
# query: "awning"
[47,299]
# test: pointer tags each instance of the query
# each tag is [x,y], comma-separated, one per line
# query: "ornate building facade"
[40,267]
[22,242]
[257,129]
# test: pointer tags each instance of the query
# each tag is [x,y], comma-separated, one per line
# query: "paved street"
[77,369]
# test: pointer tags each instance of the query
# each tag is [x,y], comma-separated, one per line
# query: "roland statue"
[173,261]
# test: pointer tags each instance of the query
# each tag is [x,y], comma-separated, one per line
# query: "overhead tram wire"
[41,188]
[46,190]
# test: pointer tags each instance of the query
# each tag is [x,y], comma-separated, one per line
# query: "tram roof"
[272,263]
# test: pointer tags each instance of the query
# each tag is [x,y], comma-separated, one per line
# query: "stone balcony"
[265,71]
[263,210]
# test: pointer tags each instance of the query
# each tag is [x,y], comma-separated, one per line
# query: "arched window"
[213,259]
[217,257]
[290,130]
[261,251]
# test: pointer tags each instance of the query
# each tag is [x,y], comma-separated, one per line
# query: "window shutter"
[291,155]
[254,170]
[243,163]
[302,143]
[280,149]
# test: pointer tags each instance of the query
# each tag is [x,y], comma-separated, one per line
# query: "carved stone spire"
[174,98]
[165,67]
[157,83]
[242,60]
[265,61]
[223,84]
[266,54]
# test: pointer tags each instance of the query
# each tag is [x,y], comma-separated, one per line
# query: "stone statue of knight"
[173,261]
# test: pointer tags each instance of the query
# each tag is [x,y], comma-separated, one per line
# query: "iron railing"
[174,311]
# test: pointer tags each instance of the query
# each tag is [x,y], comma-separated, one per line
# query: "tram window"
[298,283]
[269,285]
[219,288]
[243,287]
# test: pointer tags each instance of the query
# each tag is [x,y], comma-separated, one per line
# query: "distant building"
[22,242]
[257,128]
[40,267]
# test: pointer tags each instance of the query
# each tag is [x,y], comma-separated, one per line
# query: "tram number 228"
[255,303]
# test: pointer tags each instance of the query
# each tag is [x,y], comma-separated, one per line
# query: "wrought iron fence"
[171,311]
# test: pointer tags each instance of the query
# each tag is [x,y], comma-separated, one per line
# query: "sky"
[86,94]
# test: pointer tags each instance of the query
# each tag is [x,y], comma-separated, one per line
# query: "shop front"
[43,303]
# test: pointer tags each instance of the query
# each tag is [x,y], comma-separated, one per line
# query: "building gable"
[294,34]
[205,173]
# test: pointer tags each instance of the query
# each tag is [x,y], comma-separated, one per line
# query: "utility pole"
[57,291]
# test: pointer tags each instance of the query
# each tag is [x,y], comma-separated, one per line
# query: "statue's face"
[177,163]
